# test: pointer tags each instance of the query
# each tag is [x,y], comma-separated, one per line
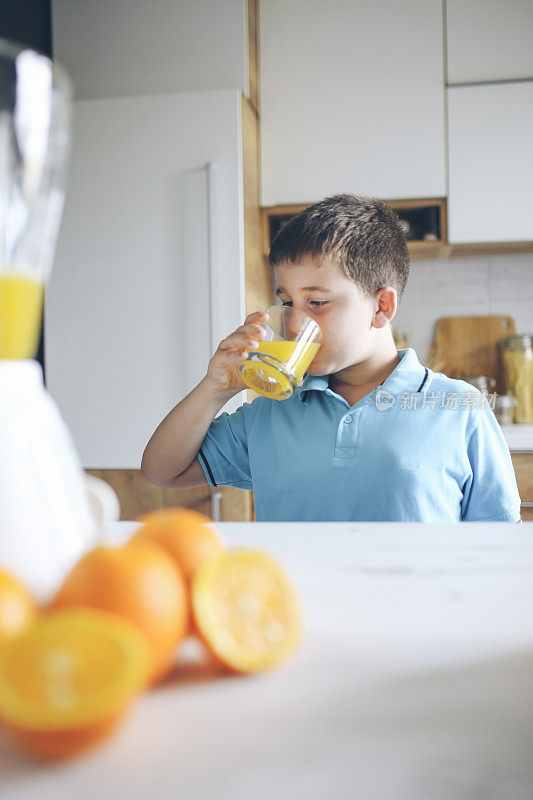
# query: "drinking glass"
[278,365]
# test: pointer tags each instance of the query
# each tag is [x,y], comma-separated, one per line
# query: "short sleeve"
[490,491]
[223,453]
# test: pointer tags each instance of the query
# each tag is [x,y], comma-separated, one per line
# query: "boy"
[371,434]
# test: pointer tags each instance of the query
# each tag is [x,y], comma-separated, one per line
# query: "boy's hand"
[222,375]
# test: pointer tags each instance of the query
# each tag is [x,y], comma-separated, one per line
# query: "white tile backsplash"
[462,293]
[508,291]
[516,266]
[464,287]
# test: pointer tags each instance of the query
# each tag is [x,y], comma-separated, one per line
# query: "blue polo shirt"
[420,447]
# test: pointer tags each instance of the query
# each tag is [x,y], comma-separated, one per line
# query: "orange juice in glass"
[21,308]
[278,365]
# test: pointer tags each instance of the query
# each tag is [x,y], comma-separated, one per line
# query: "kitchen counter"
[414,681]
[519,438]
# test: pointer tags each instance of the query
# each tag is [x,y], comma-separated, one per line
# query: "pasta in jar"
[518,371]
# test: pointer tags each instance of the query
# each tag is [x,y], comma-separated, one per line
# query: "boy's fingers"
[255,316]
[252,329]
[247,336]
[238,340]
[229,357]
[225,345]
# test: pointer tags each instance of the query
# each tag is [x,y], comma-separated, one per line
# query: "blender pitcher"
[46,521]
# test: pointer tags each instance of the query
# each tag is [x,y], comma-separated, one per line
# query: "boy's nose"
[294,326]
[295,322]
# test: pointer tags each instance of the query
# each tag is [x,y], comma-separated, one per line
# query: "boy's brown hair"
[361,234]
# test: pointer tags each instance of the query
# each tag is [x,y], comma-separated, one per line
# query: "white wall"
[115,48]
[465,286]
[158,87]
[127,308]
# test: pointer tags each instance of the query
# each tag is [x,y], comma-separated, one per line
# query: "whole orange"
[17,607]
[188,536]
[138,582]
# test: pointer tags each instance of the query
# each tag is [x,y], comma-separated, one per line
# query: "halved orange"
[67,681]
[246,610]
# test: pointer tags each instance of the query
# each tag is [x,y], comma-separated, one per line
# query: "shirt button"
[347,419]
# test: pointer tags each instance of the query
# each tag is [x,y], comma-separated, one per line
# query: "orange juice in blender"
[278,365]
[21,306]
[35,124]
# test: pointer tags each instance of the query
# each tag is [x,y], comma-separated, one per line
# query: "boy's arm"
[169,458]
[490,493]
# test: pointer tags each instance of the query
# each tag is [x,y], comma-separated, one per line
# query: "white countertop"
[518,437]
[414,682]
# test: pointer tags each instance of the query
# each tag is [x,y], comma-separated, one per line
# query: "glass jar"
[517,356]
[484,383]
[504,406]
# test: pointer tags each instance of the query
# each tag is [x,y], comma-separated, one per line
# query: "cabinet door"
[488,40]
[490,163]
[352,99]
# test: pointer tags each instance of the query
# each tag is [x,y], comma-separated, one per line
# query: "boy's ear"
[385,306]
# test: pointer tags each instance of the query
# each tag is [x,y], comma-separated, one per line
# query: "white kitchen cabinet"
[490,163]
[352,99]
[488,40]
[128,323]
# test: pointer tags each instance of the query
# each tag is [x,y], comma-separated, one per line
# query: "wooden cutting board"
[467,346]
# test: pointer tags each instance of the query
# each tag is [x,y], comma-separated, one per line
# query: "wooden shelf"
[418,249]
[490,248]
[273,216]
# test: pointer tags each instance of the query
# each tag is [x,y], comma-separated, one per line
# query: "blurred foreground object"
[246,610]
[46,522]
[35,125]
[140,583]
[67,681]
[18,610]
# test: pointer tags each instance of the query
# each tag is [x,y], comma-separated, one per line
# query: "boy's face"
[345,314]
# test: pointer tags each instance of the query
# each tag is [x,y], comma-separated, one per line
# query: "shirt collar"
[406,376]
